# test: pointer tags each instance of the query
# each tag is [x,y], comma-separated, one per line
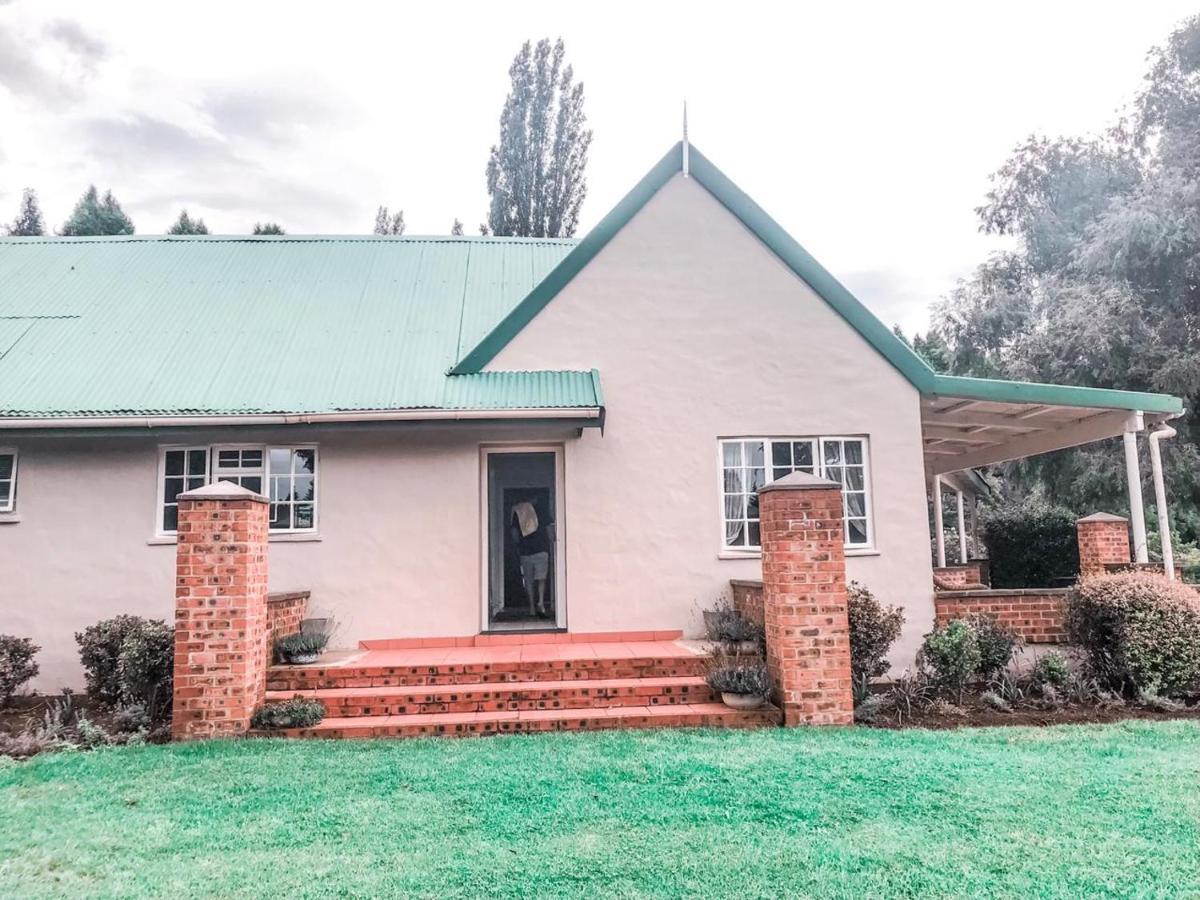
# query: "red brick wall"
[953,577]
[1103,541]
[1035,614]
[285,612]
[804,600]
[221,629]
[748,599]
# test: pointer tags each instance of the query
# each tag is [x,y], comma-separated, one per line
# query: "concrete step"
[592,693]
[463,724]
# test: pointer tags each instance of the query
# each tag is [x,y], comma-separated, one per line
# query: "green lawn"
[1066,811]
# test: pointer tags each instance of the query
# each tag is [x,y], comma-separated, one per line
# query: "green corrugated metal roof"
[258,325]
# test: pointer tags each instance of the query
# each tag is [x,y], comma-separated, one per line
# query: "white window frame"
[11,504]
[211,476]
[818,442]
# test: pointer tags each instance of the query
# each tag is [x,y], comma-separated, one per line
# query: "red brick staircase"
[511,684]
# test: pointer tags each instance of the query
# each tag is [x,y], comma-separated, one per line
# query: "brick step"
[592,693]
[350,675]
[710,715]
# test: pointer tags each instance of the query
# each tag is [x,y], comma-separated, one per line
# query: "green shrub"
[1030,544]
[128,659]
[16,665]
[997,644]
[1051,669]
[873,629]
[739,677]
[951,653]
[295,713]
[1140,632]
[289,647]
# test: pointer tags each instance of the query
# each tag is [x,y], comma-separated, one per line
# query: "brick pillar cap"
[1097,517]
[222,490]
[799,481]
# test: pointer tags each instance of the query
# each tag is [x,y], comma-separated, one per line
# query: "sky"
[869,131]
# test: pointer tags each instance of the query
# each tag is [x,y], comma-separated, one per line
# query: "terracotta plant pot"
[741,701]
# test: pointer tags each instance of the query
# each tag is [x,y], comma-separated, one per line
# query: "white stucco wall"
[700,332]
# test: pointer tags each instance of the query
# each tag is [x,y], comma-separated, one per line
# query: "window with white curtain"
[287,475]
[749,463]
[8,479]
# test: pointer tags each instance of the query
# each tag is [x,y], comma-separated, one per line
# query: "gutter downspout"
[1160,494]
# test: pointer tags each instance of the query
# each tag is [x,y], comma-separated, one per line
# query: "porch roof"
[969,422]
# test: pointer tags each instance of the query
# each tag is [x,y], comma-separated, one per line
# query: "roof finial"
[685,141]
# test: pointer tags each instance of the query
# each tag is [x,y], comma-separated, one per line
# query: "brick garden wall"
[1034,613]
[285,612]
[955,577]
[748,599]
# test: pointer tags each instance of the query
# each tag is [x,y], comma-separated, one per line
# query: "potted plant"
[729,627]
[301,648]
[743,684]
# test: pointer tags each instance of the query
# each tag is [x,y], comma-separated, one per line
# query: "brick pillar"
[1103,540]
[804,600]
[221,629]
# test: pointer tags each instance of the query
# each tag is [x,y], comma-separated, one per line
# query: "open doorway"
[523,548]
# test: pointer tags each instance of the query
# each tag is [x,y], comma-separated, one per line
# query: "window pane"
[731,453]
[170,518]
[781,453]
[303,515]
[280,515]
[734,484]
[803,456]
[735,506]
[854,454]
[754,453]
[856,531]
[5,492]
[227,459]
[280,488]
[303,488]
[752,506]
[735,534]
[173,463]
[854,478]
[757,479]
[306,462]
[252,459]
[193,483]
[197,462]
[252,483]
[780,473]
[753,534]
[833,453]
[281,461]
[856,505]
[172,488]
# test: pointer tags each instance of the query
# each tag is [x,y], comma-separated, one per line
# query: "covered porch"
[968,423]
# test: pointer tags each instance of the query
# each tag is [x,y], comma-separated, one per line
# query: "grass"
[1067,811]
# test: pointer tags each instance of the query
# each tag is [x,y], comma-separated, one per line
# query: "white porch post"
[939,532]
[1160,499]
[1137,509]
[962,528]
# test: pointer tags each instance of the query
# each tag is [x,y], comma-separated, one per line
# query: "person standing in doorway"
[533,539]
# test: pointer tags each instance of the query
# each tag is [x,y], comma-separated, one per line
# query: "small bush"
[995,701]
[873,629]
[911,691]
[291,646]
[1139,632]
[295,713]
[128,659]
[16,665]
[997,644]
[1051,669]
[725,624]
[951,652]
[738,677]
[1030,544]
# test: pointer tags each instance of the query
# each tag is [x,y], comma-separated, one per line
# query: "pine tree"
[29,221]
[185,224]
[385,224]
[456,229]
[94,215]
[535,174]
[267,228]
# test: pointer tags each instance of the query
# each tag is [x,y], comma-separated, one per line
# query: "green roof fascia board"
[1000,391]
[558,278]
[816,276]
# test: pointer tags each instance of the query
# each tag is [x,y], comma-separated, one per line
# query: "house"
[461,435]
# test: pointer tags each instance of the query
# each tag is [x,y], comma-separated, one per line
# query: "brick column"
[221,629]
[804,600]
[1103,540]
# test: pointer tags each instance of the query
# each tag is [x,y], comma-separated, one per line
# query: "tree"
[94,215]
[1102,287]
[457,228]
[385,224]
[185,224]
[535,173]
[29,221]
[267,228]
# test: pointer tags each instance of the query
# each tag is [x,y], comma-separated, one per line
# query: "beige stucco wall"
[700,332]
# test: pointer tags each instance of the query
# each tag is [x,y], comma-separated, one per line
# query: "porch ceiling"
[961,433]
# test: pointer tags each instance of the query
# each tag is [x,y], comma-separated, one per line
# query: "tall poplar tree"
[29,221]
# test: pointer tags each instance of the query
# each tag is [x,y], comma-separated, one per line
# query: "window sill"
[10,518]
[284,538]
